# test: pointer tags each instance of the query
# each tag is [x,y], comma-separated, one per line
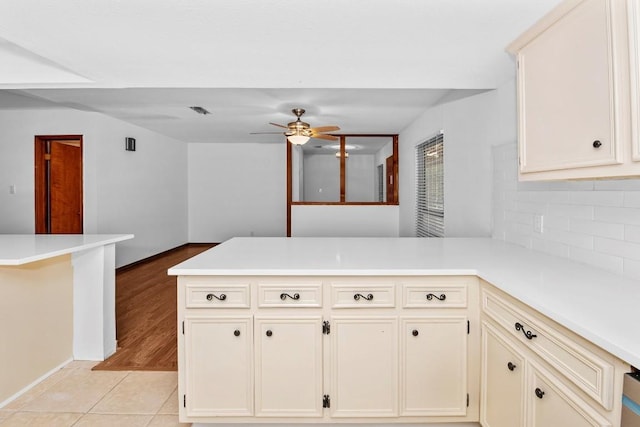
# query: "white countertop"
[602,307]
[18,249]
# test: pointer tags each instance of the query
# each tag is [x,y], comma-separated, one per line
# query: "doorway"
[391,174]
[58,184]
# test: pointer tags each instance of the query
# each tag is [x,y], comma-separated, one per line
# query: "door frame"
[40,179]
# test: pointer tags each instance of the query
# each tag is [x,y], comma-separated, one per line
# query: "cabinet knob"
[222,297]
[415,333]
[269,333]
[369,297]
[539,393]
[511,366]
[597,144]
[284,296]
[236,332]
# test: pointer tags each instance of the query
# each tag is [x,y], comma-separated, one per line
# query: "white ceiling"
[364,65]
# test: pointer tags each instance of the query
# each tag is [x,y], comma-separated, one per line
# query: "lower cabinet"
[503,367]
[288,360]
[433,351]
[343,351]
[537,374]
[516,391]
[550,402]
[364,367]
[218,366]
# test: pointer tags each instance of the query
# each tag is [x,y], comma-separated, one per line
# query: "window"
[430,187]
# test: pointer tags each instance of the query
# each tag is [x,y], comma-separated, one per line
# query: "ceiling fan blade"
[324,129]
[265,133]
[280,126]
[327,137]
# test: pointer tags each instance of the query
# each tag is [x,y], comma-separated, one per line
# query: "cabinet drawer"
[587,370]
[436,296]
[350,296]
[218,296]
[290,295]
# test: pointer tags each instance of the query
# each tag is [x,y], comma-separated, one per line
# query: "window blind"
[430,187]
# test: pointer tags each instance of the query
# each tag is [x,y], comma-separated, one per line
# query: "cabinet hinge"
[47,157]
[326,401]
[183,327]
[184,401]
[467,400]
[326,327]
[468,327]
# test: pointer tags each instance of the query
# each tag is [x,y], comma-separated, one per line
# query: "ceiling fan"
[299,132]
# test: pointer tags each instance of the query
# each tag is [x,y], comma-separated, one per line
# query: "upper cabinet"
[576,68]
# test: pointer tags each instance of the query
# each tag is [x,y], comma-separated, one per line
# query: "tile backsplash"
[594,222]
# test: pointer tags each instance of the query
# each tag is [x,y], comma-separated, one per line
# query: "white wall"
[236,189]
[360,179]
[141,192]
[471,126]
[321,178]
[344,221]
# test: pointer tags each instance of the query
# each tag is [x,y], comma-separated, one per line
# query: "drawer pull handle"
[358,296]
[415,333]
[295,296]
[597,144]
[269,333]
[539,393]
[222,297]
[236,333]
[442,297]
[527,334]
[511,366]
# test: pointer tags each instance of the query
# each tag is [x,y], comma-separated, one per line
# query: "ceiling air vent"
[200,110]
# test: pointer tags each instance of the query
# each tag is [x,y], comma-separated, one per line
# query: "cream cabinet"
[536,373]
[288,360]
[433,351]
[328,349]
[217,366]
[503,369]
[574,70]
[364,364]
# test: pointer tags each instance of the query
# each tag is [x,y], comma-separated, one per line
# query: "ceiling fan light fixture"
[298,139]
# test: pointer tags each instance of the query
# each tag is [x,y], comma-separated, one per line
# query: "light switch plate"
[538,223]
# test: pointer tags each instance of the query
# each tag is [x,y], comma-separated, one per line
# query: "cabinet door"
[364,367]
[503,367]
[433,368]
[289,366]
[566,92]
[551,403]
[218,366]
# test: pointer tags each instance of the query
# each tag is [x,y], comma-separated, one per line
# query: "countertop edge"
[108,239]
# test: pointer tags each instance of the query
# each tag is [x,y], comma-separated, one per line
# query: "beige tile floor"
[79,397]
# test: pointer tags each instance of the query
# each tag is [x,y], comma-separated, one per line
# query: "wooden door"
[364,367]
[58,185]
[218,365]
[433,367]
[391,180]
[288,367]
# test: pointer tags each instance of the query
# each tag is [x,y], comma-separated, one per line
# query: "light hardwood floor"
[146,313]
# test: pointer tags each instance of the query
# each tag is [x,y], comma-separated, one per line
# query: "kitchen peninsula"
[400,330]
[57,304]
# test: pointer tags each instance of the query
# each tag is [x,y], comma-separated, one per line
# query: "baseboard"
[161,254]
